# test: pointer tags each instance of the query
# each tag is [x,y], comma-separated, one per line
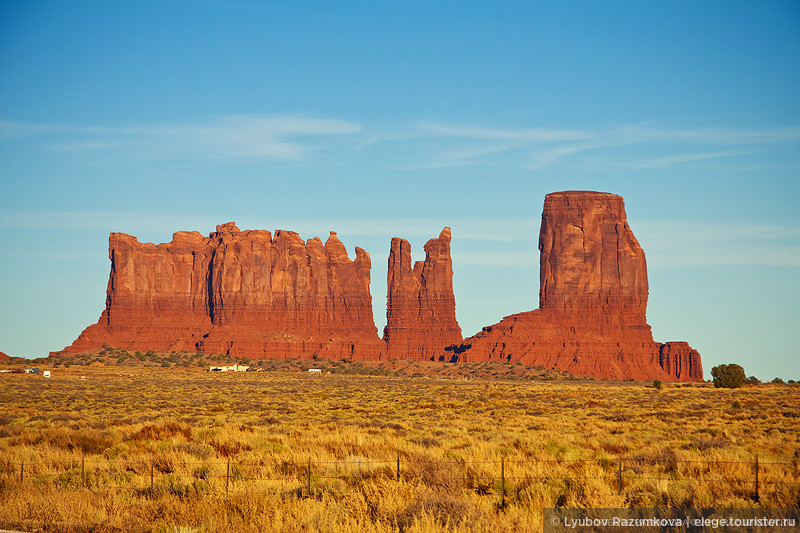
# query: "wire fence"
[497,477]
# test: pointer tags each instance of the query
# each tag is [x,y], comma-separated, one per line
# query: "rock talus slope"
[591,319]
[242,293]
[420,304]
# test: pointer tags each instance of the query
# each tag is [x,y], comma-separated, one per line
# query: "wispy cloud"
[517,135]
[544,157]
[238,137]
[536,148]
[676,244]
[244,136]
[17,130]
[649,133]
[470,145]
[415,145]
[678,159]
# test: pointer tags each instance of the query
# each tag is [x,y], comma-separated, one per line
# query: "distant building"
[314,371]
[46,374]
[232,368]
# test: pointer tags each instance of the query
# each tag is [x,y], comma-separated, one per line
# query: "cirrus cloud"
[233,137]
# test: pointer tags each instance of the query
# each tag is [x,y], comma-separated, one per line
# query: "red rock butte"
[240,293]
[4,356]
[252,294]
[593,292]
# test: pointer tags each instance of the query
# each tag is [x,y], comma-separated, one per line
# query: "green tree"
[728,376]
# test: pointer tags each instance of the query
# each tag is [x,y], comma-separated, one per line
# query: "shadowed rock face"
[593,300]
[421,308]
[242,293]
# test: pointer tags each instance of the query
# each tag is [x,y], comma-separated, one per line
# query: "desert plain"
[377,446]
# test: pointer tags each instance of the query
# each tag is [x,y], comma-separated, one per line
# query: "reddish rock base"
[604,351]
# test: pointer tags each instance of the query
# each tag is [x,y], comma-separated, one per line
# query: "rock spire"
[420,305]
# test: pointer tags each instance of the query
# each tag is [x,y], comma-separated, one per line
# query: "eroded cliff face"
[4,356]
[420,305]
[593,300]
[252,294]
[681,361]
[242,293]
[590,260]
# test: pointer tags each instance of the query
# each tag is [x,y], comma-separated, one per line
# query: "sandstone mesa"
[254,294]
[241,293]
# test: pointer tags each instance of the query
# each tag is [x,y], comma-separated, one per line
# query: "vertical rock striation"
[255,294]
[593,294]
[421,308]
[590,262]
[680,361]
[242,293]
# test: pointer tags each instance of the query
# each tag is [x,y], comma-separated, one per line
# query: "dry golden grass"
[231,452]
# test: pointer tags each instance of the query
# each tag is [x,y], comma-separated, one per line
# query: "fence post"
[756,496]
[152,469]
[619,475]
[22,472]
[503,481]
[398,466]
[83,476]
[308,478]
[228,474]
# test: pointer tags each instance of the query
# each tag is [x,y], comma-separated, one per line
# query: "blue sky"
[378,119]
